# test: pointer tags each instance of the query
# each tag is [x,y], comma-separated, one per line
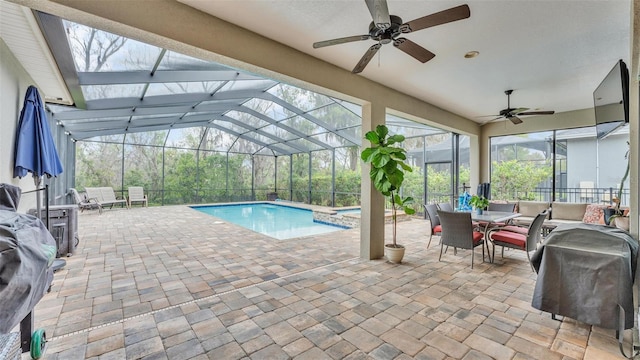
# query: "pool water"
[277,221]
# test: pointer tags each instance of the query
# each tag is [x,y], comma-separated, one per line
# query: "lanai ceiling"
[552,53]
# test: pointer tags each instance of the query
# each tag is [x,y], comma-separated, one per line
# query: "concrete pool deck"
[173,283]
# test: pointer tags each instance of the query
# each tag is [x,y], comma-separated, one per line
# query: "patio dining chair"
[431,211]
[505,207]
[518,237]
[457,231]
[445,206]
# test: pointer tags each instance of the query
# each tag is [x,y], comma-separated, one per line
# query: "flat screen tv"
[611,101]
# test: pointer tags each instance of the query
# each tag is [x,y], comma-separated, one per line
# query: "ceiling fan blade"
[366,58]
[517,111]
[495,117]
[418,52]
[551,112]
[380,13]
[515,120]
[343,40]
[439,18]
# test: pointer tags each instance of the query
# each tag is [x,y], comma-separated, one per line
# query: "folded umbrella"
[35,151]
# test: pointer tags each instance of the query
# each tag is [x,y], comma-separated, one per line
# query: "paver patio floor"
[173,283]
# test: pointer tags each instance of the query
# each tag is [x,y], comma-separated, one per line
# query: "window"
[562,165]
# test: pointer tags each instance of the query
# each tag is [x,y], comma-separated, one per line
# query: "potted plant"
[387,174]
[479,203]
[618,219]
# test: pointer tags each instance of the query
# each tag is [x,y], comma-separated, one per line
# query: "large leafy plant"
[388,169]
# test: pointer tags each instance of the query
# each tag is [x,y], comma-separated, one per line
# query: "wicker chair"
[445,207]
[509,207]
[517,237]
[457,231]
[431,211]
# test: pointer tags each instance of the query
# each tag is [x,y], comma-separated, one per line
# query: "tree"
[98,164]
[91,47]
[513,179]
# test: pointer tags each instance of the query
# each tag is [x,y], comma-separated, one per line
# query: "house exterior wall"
[14,82]
[611,161]
[600,162]
[581,164]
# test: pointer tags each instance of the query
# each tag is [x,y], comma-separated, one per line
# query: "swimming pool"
[277,221]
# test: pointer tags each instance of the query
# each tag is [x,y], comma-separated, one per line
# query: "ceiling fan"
[512,113]
[387,28]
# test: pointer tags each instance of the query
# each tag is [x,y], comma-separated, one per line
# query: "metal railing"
[208,196]
[602,196]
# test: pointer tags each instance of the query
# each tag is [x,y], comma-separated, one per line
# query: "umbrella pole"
[46,204]
[36,181]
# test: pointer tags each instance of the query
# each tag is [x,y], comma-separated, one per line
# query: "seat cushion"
[516,229]
[477,237]
[532,208]
[568,211]
[437,229]
[510,237]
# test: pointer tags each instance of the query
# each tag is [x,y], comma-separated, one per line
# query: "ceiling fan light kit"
[385,29]
[512,114]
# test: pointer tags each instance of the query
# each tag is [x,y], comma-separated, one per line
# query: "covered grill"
[27,251]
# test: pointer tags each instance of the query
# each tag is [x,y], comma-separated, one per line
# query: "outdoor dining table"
[492,217]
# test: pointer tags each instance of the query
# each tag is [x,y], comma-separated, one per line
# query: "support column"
[634,123]
[372,202]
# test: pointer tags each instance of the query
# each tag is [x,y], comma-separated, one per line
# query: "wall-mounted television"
[611,101]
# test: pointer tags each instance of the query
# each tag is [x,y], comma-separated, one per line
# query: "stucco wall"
[14,82]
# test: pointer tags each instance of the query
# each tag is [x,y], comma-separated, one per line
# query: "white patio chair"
[136,194]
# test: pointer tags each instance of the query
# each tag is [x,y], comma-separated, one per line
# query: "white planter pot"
[394,255]
[622,223]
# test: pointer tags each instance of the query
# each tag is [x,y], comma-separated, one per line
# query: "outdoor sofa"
[560,213]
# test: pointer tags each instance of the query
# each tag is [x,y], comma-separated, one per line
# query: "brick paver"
[173,283]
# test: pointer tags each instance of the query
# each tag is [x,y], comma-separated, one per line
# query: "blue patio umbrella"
[35,151]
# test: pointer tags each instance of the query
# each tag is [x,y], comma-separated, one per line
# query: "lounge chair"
[105,196]
[85,203]
[136,194]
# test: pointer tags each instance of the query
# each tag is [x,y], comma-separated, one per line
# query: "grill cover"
[27,250]
[586,272]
